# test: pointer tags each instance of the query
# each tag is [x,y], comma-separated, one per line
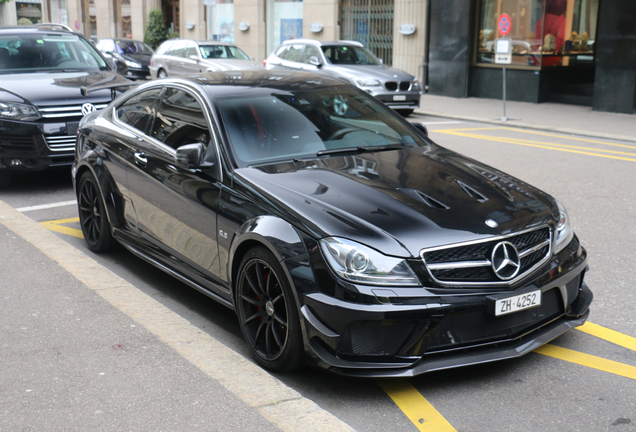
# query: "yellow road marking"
[57,226]
[588,360]
[423,415]
[548,146]
[609,335]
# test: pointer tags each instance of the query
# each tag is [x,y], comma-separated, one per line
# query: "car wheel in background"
[267,312]
[405,112]
[92,213]
[162,74]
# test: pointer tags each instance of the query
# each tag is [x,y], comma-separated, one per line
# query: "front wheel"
[92,213]
[267,312]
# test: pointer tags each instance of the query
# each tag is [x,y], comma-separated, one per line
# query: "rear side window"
[294,53]
[180,120]
[139,110]
[310,51]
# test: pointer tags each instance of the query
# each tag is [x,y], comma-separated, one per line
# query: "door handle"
[140,158]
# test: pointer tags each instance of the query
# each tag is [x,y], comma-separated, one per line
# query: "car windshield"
[222,52]
[310,124]
[47,53]
[133,47]
[349,55]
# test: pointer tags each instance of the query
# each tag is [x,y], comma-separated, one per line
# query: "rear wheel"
[162,74]
[92,213]
[267,312]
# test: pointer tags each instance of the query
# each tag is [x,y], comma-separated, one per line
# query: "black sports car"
[338,232]
[42,72]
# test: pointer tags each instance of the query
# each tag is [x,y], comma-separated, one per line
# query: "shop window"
[287,22]
[543,32]
[220,21]
[126,22]
[59,12]
[28,12]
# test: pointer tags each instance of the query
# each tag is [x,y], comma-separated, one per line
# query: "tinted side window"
[191,50]
[180,120]
[310,51]
[139,109]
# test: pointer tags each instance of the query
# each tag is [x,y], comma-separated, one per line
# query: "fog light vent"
[16,162]
[374,338]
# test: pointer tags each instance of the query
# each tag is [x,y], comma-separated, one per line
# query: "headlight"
[564,232]
[132,64]
[17,111]
[368,83]
[360,264]
[416,84]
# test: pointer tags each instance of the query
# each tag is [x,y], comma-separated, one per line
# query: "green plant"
[155,29]
[24,21]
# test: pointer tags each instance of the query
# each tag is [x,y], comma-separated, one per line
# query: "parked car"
[338,232]
[182,57]
[42,72]
[136,54]
[354,63]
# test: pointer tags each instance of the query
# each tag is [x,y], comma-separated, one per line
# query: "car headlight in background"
[415,85]
[132,64]
[360,264]
[564,232]
[368,83]
[18,111]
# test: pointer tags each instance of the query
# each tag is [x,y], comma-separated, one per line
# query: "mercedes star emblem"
[88,108]
[505,260]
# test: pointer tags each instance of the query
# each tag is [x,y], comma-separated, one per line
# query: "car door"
[188,63]
[134,116]
[176,207]
[174,57]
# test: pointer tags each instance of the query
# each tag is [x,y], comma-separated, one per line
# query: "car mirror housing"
[421,127]
[190,155]
[315,61]
[120,66]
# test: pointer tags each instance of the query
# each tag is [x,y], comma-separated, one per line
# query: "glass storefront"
[287,22]
[29,12]
[59,13]
[542,33]
[220,21]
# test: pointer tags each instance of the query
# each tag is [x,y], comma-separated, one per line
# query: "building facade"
[568,51]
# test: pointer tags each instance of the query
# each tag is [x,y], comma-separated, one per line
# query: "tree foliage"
[156,31]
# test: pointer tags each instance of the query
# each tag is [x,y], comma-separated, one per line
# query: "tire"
[5,179]
[92,214]
[267,312]
[162,74]
[405,112]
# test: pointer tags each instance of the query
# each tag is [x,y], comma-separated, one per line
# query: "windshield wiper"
[362,149]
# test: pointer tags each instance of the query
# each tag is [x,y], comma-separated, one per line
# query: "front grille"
[374,338]
[470,263]
[61,142]
[66,111]
[17,143]
[402,85]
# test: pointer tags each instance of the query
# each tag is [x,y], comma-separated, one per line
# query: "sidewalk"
[569,119]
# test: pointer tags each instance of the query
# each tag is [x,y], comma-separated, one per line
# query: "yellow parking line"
[423,415]
[588,360]
[609,335]
[548,146]
[57,226]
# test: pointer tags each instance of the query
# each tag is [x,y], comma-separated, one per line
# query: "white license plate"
[399,98]
[516,303]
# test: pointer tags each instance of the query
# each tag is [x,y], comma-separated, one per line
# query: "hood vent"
[472,192]
[420,196]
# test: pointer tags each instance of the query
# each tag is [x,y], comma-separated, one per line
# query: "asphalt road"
[583,381]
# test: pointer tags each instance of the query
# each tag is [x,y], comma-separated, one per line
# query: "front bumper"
[433,330]
[138,74]
[34,146]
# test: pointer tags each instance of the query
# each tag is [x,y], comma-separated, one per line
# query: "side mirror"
[420,127]
[189,155]
[313,60]
[120,67]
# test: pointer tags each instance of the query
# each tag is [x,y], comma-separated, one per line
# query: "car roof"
[34,30]
[321,43]
[202,42]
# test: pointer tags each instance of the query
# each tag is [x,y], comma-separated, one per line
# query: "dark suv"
[47,78]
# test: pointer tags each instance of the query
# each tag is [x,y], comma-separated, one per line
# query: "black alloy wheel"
[267,312]
[92,213]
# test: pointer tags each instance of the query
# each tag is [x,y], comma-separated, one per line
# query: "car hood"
[382,72]
[56,88]
[142,59]
[231,64]
[400,201]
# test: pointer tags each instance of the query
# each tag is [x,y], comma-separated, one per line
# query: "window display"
[543,32]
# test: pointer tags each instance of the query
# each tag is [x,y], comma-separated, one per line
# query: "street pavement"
[85,350]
